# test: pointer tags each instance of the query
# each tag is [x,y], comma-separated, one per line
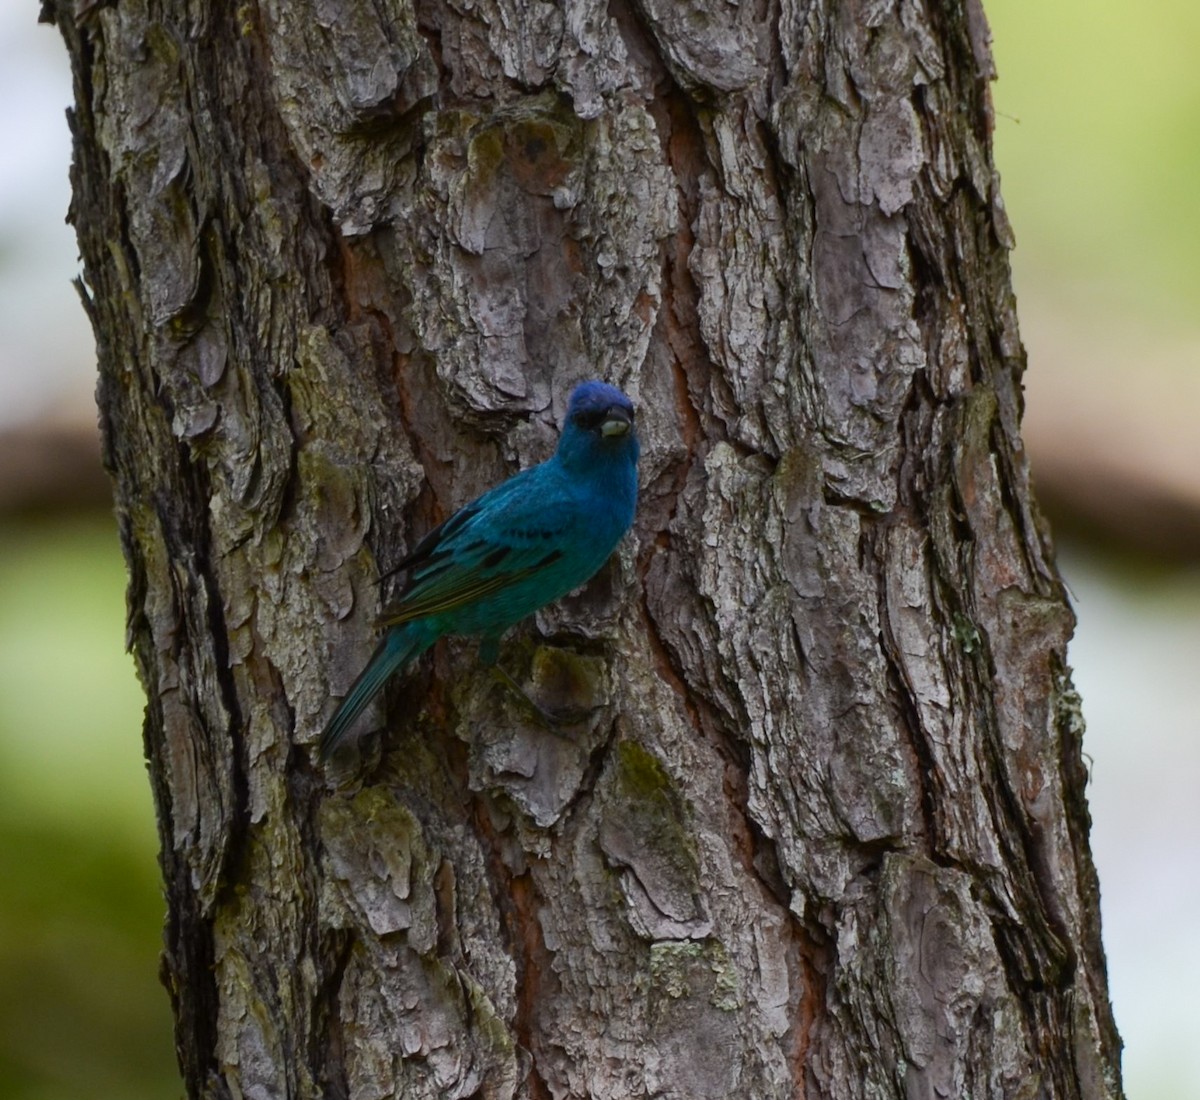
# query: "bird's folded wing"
[487,546]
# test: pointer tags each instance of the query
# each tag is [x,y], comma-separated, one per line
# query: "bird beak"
[616,422]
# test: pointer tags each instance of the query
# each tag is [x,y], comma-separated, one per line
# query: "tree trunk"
[824,831]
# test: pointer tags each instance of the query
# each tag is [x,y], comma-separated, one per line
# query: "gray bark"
[824,832]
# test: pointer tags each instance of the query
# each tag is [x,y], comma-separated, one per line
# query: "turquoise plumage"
[520,546]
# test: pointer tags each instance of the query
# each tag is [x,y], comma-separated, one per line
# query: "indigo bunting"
[521,545]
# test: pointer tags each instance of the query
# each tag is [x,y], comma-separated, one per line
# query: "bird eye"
[590,419]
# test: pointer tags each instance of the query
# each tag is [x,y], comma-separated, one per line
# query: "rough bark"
[824,833]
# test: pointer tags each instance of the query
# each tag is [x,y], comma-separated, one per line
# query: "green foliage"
[83,1014]
[1097,117]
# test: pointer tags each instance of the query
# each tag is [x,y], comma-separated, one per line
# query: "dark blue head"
[599,427]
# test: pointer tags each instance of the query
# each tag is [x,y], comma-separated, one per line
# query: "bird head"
[599,424]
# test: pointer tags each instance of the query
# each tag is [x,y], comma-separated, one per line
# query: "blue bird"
[520,546]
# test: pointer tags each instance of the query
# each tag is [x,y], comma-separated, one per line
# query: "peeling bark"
[821,830]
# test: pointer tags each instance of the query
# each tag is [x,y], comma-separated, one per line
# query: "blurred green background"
[82,1015]
[1098,143]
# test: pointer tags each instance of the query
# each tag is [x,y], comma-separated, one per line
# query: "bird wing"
[508,534]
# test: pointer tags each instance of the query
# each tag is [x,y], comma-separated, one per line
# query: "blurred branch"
[1128,509]
[1096,473]
[1110,427]
[52,465]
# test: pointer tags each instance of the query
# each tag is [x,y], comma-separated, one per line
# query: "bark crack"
[517,901]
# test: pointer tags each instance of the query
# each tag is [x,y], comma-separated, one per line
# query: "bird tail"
[397,647]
